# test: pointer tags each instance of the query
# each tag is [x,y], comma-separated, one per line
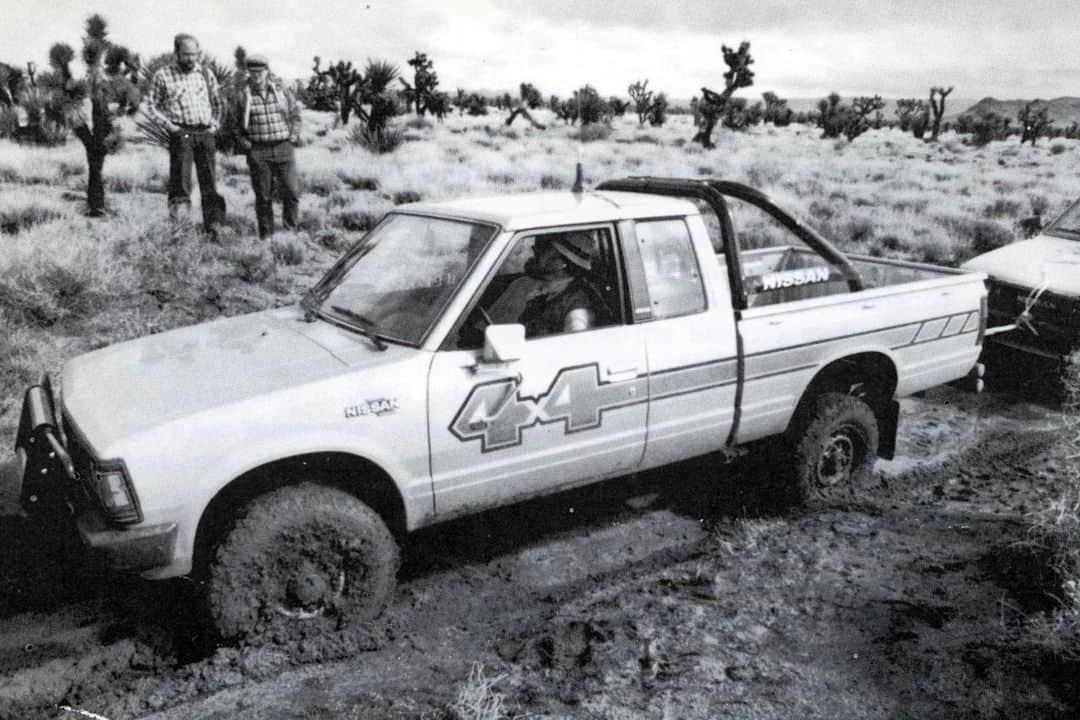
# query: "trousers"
[270,164]
[187,148]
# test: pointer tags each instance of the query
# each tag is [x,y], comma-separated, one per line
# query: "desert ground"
[666,595]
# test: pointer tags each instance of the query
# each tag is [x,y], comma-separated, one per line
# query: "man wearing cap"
[555,295]
[269,125]
[184,97]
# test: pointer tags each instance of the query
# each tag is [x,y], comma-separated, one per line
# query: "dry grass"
[1057,528]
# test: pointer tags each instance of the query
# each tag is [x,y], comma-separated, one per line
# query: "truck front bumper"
[52,483]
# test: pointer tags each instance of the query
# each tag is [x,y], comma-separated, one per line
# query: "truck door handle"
[869,306]
[619,374]
[774,323]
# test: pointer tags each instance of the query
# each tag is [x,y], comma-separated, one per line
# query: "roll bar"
[713,192]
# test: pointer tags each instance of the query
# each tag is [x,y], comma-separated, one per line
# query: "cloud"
[1005,49]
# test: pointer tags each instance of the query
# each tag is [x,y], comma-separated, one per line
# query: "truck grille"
[1056,318]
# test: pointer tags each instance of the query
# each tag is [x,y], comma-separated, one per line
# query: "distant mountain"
[1063,110]
[803,104]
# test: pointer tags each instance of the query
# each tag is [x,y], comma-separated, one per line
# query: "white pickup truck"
[469,354]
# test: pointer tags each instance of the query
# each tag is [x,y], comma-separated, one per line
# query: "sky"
[801,49]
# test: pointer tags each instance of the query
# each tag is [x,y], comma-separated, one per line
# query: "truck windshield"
[401,275]
[1068,225]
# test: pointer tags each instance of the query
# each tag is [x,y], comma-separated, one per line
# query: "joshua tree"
[738,75]
[832,116]
[643,99]
[937,105]
[530,96]
[1034,120]
[618,105]
[859,121]
[111,72]
[658,111]
[425,82]
[914,115]
[373,92]
[776,110]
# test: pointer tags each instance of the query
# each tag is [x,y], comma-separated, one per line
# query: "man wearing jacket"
[268,118]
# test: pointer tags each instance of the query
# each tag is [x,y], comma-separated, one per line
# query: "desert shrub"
[892,243]
[647,139]
[15,220]
[358,182]
[338,199]
[550,182]
[593,132]
[43,295]
[1039,204]
[287,252]
[935,251]
[354,220]
[477,698]
[501,179]
[380,142]
[418,123]
[821,211]
[331,239]
[253,266]
[320,183]
[69,169]
[1058,148]
[859,229]
[1002,207]
[9,122]
[987,236]
[402,197]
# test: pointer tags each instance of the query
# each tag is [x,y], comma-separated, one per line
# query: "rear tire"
[833,447]
[302,554]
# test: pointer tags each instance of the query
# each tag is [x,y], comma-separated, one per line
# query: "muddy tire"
[302,554]
[832,449]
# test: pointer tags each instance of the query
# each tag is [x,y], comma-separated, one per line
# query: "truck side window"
[671,269]
[777,266]
[552,283]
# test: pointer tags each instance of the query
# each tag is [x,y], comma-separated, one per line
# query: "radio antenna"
[579,173]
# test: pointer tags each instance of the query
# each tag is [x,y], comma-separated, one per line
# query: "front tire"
[302,554]
[834,444]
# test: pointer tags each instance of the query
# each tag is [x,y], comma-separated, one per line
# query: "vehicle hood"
[134,386]
[1042,260]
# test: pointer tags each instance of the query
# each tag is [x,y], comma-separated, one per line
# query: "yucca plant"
[109,82]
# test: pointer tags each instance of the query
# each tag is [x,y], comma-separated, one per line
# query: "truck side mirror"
[504,343]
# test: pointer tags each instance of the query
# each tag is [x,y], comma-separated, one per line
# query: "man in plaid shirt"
[269,125]
[185,98]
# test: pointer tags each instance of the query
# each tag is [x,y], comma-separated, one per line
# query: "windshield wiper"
[367,328]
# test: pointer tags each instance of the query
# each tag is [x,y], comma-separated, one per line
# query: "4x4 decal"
[495,413]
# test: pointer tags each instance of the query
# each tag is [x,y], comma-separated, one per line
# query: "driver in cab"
[555,295]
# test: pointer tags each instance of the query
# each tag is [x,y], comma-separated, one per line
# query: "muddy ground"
[661,596]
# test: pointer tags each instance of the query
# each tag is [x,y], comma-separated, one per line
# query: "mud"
[667,595]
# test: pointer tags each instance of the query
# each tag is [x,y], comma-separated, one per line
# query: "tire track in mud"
[123,648]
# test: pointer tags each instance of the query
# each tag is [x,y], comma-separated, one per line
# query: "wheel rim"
[315,577]
[839,457]
[311,591]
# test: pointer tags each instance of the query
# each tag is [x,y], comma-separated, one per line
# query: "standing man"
[184,96]
[269,118]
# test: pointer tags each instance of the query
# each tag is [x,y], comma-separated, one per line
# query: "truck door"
[691,345]
[572,409]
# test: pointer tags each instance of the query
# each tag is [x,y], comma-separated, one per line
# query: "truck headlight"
[114,490]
